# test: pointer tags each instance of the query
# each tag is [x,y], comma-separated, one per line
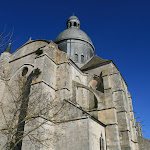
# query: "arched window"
[75,24]
[101,141]
[24,71]
[82,58]
[76,57]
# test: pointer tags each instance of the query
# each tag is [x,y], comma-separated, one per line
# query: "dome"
[73,33]
[73,17]
[75,42]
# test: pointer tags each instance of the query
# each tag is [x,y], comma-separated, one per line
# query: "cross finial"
[73,14]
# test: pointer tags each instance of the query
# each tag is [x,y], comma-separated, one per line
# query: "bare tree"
[29,108]
[5,38]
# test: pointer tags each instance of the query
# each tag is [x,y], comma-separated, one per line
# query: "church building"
[60,96]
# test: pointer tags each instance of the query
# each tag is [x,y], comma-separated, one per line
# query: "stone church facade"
[83,102]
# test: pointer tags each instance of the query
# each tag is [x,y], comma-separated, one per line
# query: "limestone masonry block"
[108,99]
[108,116]
[106,82]
[112,138]
[116,82]
[125,139]
[123,121]
[119,101]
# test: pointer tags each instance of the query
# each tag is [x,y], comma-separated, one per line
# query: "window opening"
[101,143]
[24,71]
[95,102]
[76,57]
[82,58]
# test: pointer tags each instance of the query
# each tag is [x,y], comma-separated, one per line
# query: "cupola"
[73,21]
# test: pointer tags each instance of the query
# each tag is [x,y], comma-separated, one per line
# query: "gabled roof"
[93,62]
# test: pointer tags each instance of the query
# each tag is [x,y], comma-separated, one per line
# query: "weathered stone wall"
[28,48]
[144,144]
[74,135]
[64,92]
[95,132]
[120,102]
[115,109]
[77,134]
[80,134]
[49,93]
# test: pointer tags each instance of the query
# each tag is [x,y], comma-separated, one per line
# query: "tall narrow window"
[101,143]
[76,57]
[82,58]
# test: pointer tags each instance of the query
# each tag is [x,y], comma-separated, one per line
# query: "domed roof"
[73,33]
[73,18]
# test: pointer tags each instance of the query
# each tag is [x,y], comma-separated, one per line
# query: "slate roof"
[8,48]
[93,62]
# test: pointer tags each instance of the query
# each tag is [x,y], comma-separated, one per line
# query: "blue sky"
[119,30]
